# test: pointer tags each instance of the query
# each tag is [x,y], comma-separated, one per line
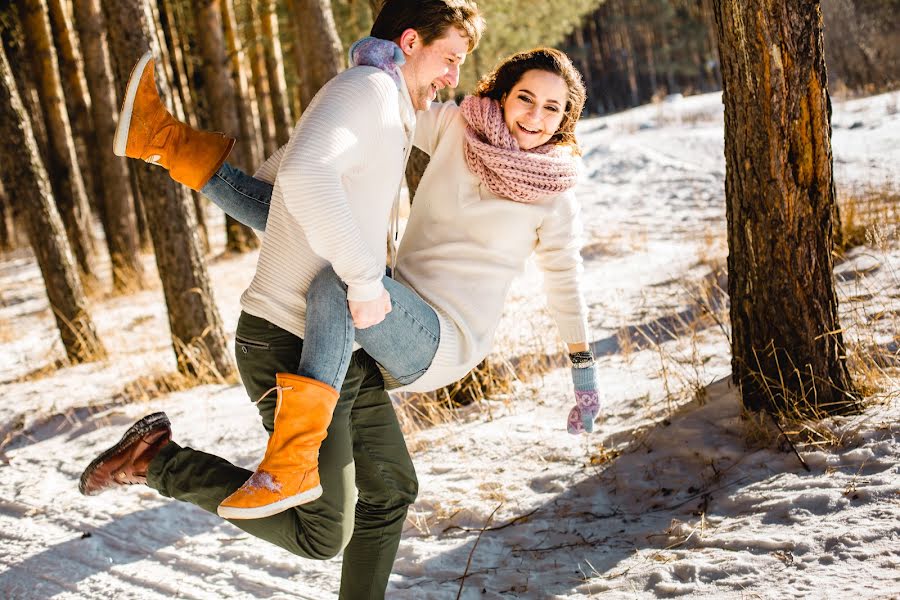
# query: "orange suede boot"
[289,472]
[147,131]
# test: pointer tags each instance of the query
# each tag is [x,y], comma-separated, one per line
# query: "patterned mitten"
[587,400]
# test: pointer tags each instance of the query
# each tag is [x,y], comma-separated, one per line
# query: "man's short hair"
[430,18]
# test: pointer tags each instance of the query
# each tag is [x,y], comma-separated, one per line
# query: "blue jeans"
[404,344]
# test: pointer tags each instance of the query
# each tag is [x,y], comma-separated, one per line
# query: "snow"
[675,495]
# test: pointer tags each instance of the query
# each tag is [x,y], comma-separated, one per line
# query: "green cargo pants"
[364,451]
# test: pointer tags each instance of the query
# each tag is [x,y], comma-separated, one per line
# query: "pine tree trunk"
[114,192]
[18,55]
[243,79]
[176,62]
[139,213]
[184,100]
[248,112]
[76,97]
[320,46]
[62,163]
[788,351]
[223,102]
[8,233]
[19,161]
[260,79]
[415,168]
[197,336]
[281,111]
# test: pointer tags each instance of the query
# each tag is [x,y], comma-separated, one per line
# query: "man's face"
[433,67]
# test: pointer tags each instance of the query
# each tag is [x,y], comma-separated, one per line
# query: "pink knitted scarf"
[493,154]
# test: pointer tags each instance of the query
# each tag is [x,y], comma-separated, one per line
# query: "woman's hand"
[587,400]
[370,312]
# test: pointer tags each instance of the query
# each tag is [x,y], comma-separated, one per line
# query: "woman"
[498,187]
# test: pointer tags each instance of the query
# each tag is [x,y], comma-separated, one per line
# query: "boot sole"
[121,139]
[134,433]
[258,512]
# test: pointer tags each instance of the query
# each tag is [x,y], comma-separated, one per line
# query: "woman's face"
[534,108]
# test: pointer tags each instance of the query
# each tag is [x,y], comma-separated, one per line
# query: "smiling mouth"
[526,130]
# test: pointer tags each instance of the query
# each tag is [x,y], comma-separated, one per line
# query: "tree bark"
[114,192]
[78,103]
[16,54]
[787,346]
[19,161]
[185,100]
[320,46]
[197,336]
[258,72]
[219,88]
[248,112]
[9,239]
[62,164]
[281,111]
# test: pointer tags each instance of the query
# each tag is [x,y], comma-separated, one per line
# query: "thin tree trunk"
[321,55]
[19,161]
[78,103]
[176,65]
[184,104]
[16,54]
[140,214]
[114,193]
[260,78]
[8,233]
[219,87]
[787,346]
[583,59]
[197,336]
[243,31]
[62,164]
[415,168]
[281,111]
[248,113]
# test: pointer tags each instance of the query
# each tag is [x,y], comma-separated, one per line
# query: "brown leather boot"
[147,131]
[289,472]
[126,463]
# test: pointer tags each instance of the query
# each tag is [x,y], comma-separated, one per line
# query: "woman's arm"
[558,254]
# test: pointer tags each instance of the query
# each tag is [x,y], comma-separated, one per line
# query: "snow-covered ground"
[675,495]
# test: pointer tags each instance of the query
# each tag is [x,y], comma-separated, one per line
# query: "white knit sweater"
[336,182]
[463,246]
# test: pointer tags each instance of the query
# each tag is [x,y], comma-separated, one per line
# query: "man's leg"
[317,530]
[386,481]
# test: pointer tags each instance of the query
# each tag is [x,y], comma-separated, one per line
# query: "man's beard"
[424,97]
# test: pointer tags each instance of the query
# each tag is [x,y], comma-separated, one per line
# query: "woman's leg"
[404,343]
[241,196]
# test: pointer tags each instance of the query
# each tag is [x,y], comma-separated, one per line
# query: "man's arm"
[339,132]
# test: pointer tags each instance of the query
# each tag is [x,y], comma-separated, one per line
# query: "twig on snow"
[462,581]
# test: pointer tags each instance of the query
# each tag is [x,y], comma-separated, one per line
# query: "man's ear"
[409,40]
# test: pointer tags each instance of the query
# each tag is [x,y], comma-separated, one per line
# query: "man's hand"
[371,312]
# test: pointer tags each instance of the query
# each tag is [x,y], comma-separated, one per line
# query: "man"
[337,180]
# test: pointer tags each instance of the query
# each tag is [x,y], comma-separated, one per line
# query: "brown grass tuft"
[869,216]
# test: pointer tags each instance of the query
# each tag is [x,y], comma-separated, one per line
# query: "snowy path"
[668,499]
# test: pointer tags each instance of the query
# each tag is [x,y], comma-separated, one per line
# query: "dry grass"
[493,377]
[869,216]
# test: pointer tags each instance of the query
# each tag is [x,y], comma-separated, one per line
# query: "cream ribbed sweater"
[463,246]
[335,183]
